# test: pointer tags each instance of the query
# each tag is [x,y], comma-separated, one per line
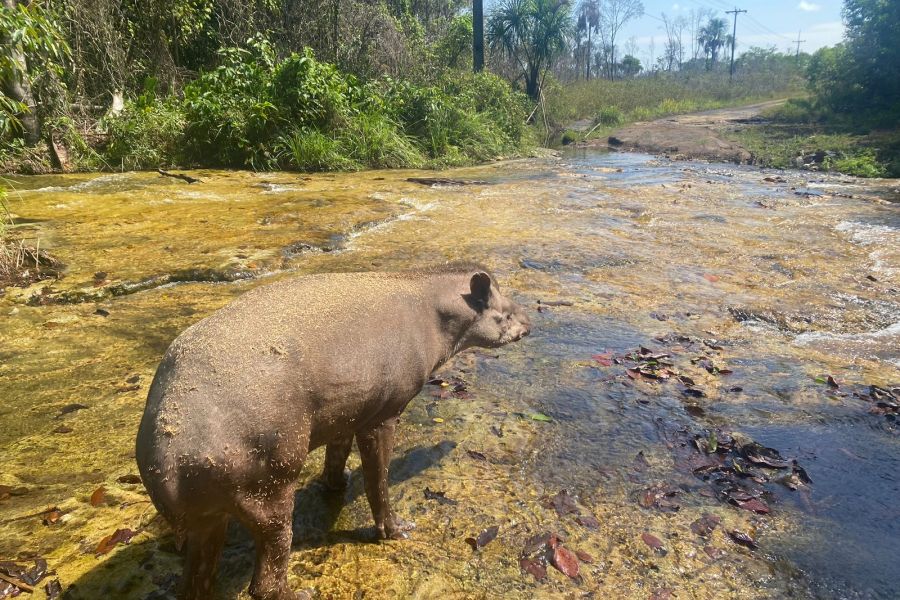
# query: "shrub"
[312,150]
[147,135]
[312,93]
[374,140]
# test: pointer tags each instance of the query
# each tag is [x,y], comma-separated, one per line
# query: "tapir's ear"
[480,286]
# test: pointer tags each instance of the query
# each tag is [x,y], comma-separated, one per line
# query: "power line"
[735,12]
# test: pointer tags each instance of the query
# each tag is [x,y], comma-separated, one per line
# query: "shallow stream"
[756,286]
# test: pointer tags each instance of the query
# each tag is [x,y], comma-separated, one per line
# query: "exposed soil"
[692,136]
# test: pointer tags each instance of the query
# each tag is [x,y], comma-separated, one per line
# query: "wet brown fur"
[241,397]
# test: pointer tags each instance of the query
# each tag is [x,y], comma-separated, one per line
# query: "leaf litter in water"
[122,536]
[563,502]
[537,416]
[705,525]
[565,561]
[484,538]
[654,543]
[440,497]
[743,539]
[98,497]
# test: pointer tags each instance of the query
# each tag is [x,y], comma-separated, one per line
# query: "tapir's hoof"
[397,530]
[335,483]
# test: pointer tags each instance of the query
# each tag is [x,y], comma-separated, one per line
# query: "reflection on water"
[779,279]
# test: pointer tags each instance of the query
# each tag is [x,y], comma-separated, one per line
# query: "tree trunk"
[589,55]
[477,35]
[17,87]
[532,83]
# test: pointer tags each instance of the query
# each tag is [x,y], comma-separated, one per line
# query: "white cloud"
[808,6]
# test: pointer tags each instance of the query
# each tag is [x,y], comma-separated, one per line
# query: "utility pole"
[736,12]
[477,35]
[799,41]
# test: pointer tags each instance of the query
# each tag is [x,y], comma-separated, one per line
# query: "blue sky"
[767,23]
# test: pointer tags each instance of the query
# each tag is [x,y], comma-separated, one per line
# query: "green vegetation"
[851,121]
[799,136]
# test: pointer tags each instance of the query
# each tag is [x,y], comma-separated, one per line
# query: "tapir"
[241,397]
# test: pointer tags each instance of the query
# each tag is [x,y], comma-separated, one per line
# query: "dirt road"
[693,136]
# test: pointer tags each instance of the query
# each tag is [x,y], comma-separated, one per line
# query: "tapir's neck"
[449,317]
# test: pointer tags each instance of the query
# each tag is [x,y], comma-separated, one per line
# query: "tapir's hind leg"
[334,475]
[204,540]
[268,516]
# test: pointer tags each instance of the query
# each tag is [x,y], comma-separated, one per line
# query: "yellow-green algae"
[629,243]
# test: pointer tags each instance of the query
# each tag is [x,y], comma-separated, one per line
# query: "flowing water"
[757,289]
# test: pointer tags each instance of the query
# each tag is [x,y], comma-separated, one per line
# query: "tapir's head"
[498,319]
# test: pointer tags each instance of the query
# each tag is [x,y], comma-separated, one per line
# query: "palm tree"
[532,33]
[713,36]
[589,20]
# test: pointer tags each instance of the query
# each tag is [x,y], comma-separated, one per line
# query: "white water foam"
[886,240]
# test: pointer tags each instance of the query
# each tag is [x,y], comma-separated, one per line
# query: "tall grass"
[613,103]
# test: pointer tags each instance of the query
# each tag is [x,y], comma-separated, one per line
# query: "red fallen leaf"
[111,541]
[713,552]
[661,594]
[98,496]
[710,278]
[484,538]
[563,502]
[634,374]
[533,567]
[654,542]
[755,505]
[540,542]
[743,539]
[584,557]
[604,359]
[588,521]
[51,516]
[705,525]
[565,561]
[476,455]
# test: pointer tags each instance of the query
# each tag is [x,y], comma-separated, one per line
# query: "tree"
[873,46]
[673,53]
[713,36]
[615,14]
[630,66]
[32,47]
[532,33]
[477,35]
[589,20]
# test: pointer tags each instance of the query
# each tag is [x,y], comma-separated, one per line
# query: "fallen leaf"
[743,539]
[563,502]
[705,525]
[640,462]
[438,420]
[70,408]
[713,552]
[755,505]
[63,429]
[655,543]
[533,567]
[98,496]
[831,382]
[498,431]
[51,516]
[565,561]
[584,557]
[710,278]
[130,478]
[540,417]
[476,455]
[109,542]
[484,538]
[440,497]
[661,594]
[604,359]
[588,521]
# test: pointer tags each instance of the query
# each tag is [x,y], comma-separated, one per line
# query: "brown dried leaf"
[565,561]
[99,496]
[534,567]
[111,541]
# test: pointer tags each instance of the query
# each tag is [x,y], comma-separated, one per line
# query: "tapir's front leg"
[375,446]
[334,475]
